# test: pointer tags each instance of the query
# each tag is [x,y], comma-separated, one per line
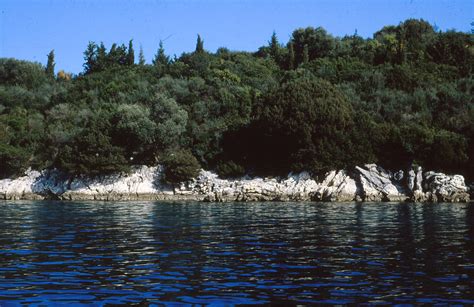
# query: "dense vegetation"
[318,102]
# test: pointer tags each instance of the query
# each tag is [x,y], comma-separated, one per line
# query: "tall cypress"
[50,65]
[141,57]
[131,53]
[199,45]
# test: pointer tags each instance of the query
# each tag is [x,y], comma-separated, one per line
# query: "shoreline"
[370,183]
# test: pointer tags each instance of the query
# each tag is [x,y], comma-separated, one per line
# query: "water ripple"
[195,253]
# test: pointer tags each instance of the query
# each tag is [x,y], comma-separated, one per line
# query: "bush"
[179,166]
[230,169]
[13,160]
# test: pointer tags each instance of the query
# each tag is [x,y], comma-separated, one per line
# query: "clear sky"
[30,29]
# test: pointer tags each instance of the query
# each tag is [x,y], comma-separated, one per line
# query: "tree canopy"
[316,102]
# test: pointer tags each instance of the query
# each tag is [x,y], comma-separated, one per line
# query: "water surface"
[235,253]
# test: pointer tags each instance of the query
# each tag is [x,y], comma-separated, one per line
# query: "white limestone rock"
[445,188]
[377,184]
[21,187]
[337,186]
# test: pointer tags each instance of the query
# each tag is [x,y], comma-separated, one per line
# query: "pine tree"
[50,65]
[131,53]
[161,58]
[141,57]
[274,47]
[291,56]
[305,54]
[90,57]
[199,45]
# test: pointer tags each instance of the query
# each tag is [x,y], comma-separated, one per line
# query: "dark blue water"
[200,253]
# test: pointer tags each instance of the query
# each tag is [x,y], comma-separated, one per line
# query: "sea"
[191,253]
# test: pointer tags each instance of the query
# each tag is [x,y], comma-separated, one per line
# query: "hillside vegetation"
[316,103]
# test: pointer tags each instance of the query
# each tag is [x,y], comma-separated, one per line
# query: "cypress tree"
[141,57]
[50,65]
[199,45]
[131,53]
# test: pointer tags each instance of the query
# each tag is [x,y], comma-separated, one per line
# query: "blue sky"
[30,29]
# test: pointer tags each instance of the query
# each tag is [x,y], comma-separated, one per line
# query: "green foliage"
[161,60]
[141,57]
[315,103]
[50,65]
[21,73]
[131,53]
[179,166]
[319,43]
[14,160]
[230,169]
[199,45]
[91,153]
[170,121]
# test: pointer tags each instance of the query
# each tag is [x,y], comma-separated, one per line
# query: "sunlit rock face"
[366,183]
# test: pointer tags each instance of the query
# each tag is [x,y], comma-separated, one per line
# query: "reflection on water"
[336,253]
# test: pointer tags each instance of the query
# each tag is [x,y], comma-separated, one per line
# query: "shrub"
[13,160]
[230,169]
[179,166]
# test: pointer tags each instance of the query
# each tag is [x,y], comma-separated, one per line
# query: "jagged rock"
[377,184]
[368,183]
[336,186]
[445,188]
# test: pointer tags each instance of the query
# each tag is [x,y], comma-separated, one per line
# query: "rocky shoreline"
[367,183]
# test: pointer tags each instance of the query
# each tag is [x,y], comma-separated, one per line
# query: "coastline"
[368,183]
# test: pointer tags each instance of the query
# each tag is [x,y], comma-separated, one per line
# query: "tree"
[14,160]
[102,60]
[90,57]
[161,59]
[274,47]
[92,153]
[134,131]
[170,121]
[141,57]
[131,53]
[291,56]
[305,55]
[50,65]
[199,45]
[320,43]
[179,166]
[304,124]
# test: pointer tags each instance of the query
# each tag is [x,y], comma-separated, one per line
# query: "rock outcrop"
[367,183]
[444,188]
[378,184]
